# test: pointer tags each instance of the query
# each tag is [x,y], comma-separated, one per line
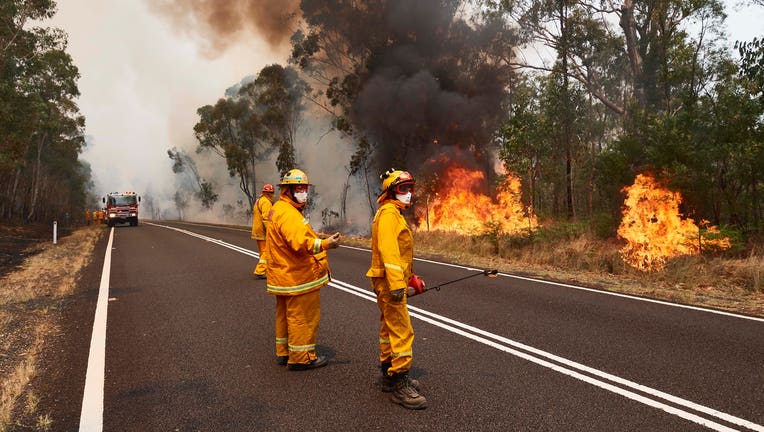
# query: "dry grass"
[28,304]
[732,284]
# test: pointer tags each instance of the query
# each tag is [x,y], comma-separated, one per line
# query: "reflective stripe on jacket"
[392,246]
[297,261]
[260,217]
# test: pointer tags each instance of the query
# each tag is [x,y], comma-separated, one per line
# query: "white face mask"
[301,197]
[404,198]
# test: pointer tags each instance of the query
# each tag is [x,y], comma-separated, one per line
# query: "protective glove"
[332,242]
[397,295]
[416,285]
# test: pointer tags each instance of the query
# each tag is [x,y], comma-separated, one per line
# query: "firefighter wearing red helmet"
[297,268]
[260,224]
[391,273]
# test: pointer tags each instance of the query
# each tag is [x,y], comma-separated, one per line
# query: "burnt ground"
[19,241]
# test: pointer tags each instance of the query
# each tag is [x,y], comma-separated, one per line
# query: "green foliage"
[41,131]
[752,63]
[203,190]
[245,128]
[206,194]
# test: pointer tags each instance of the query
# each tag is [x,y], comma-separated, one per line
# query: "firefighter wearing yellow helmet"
[391,272]
[260,222]
[297,268]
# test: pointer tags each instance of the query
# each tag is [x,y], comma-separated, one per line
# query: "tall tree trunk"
[344,200]
[14,190]
[755,200]
[629,27]
[36,178]
[590,180]
[368,188]
[567,118]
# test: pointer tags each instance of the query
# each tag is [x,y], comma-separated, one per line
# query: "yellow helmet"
[391,179]
[294,177]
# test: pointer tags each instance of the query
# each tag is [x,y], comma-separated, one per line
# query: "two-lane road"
[189,347]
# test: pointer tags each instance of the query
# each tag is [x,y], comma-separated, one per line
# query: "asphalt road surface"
[189,346]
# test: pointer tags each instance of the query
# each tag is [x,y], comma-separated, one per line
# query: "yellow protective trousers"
[297,319]
[396,335]
[282,333]
[261,263]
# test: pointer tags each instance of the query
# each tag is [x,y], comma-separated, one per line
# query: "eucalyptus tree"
[233,131]
[42,130]
[646,61]
[406,80]
[183,163]
[254,121]
[279,93]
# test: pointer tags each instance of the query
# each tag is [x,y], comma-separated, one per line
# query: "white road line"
[511,346]
[91,416]
[592,290]
[537,356]
[577,287]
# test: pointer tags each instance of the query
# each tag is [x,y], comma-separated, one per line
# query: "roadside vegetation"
[31,299]
[573,254]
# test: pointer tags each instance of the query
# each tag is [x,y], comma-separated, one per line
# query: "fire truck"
[121,207]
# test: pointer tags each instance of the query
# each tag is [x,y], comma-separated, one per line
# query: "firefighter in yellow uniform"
[391,272]
[297,268]
[101,218]
[260,223]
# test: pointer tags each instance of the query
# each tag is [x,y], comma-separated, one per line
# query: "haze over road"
[190,346]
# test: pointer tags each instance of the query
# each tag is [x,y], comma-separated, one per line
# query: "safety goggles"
[404,188]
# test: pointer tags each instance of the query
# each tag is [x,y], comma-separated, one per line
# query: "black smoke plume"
[430,81]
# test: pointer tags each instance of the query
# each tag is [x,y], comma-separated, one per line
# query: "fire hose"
[416,285]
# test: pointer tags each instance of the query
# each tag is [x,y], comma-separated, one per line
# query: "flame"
[654,229]
[457,208]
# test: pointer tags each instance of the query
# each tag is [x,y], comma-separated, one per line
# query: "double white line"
[655,398]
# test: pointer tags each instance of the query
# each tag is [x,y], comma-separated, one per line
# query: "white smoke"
[141,83]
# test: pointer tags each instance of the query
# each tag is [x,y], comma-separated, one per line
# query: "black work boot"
[405,394]
[318,362]
[387,383]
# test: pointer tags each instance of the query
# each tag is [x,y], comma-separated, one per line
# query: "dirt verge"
[36,279]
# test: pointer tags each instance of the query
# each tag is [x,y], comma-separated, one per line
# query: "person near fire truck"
[87,216]
[297,268]
[391,273]
[260,224]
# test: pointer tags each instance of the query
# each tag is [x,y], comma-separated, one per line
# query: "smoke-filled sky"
[143,75]
[147,65]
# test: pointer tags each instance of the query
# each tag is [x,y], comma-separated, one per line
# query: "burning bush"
[655,231]
[458,207]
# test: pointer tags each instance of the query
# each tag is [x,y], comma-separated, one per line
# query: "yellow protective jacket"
[297,262]
[392,246]
[260,216]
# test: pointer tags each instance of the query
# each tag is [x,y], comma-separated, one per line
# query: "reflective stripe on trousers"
[302,314]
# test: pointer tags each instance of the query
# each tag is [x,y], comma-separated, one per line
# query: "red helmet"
[268,188]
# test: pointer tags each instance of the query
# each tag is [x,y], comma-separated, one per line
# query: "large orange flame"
[655,230]
[457,208]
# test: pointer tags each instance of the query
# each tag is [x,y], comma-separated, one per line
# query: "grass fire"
[655,230]
[459,208]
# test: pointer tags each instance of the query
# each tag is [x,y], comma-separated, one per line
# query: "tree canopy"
[41,129]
